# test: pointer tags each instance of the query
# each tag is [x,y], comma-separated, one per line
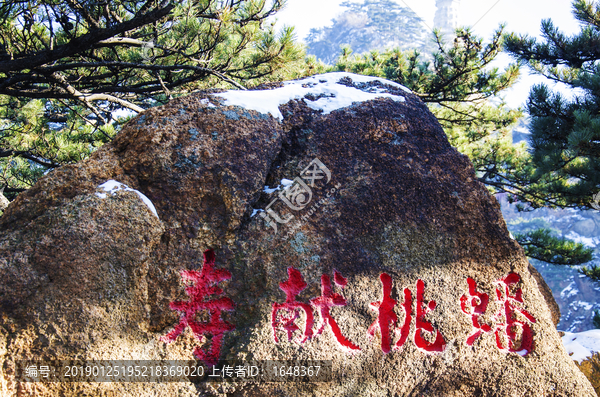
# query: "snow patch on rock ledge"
[582,345]
[326,92]
[111,186]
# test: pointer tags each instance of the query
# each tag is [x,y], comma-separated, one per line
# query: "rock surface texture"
[338,224]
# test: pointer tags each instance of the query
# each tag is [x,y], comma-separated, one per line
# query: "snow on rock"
[269,190]
[326,92]
[582,345]
[255,211]
[111,186]
[285,183]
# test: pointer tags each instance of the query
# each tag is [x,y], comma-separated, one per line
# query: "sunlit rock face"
[321,219]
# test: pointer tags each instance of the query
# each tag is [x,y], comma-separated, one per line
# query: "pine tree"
[66,66]
[565,132]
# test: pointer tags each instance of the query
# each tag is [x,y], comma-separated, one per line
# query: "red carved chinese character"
[405,329]
[424,326]
[204,284]
[387,320]
[386,317]
[511,327]
[324,303]
[292,287]
[475,305]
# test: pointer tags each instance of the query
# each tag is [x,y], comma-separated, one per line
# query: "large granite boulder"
[321,219]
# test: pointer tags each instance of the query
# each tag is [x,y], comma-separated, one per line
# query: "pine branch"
[130,65]
[542,245]
[83,43]
[29,156]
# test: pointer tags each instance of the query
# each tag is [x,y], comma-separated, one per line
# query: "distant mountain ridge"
[373,25]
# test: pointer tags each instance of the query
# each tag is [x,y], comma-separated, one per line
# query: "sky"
[484,16]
